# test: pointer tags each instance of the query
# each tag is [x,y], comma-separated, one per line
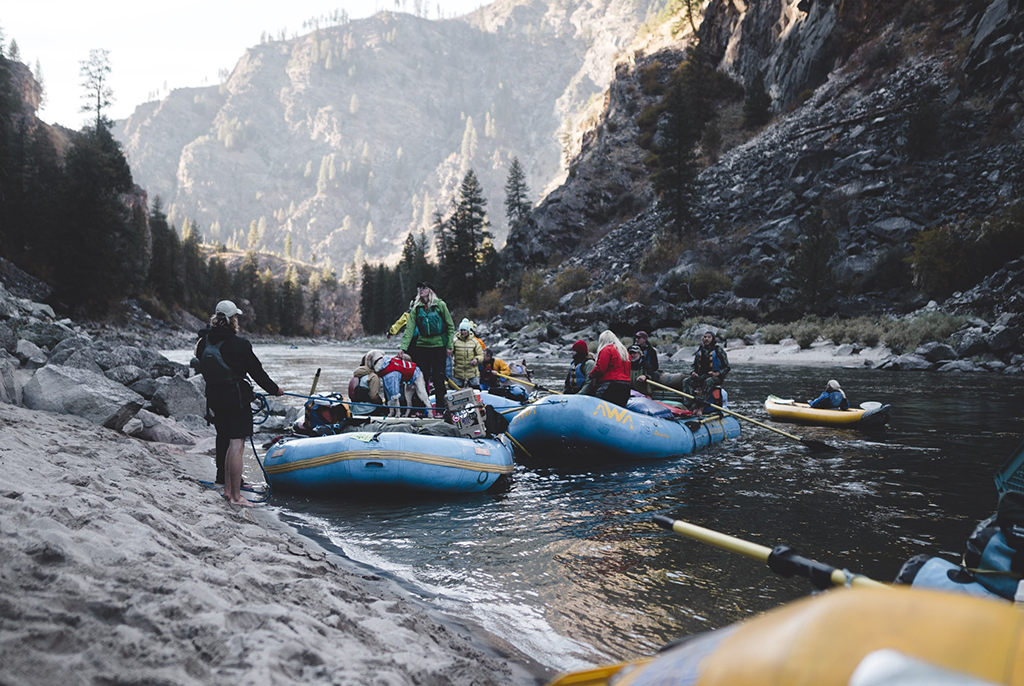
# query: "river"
[567,567]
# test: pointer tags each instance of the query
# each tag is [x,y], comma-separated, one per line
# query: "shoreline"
[119,565]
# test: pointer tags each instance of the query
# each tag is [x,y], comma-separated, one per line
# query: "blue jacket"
[835,400]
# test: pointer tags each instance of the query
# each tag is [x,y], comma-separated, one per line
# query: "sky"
[155,47]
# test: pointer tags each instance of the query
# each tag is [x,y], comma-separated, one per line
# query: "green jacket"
[434,326]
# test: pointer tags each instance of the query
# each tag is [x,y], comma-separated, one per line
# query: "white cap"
[227,308]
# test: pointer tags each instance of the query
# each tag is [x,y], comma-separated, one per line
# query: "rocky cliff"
[351,136]
[892,121]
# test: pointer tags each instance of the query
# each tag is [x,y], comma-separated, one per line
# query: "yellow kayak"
[867,415]
[886,636]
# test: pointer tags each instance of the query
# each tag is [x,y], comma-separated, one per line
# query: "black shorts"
[231,418]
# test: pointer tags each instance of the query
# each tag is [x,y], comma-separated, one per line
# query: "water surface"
[567,567]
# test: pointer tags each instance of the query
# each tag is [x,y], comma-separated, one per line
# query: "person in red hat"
[580,367]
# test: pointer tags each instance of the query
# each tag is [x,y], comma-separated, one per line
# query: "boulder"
[85,358]
[120,356]
[176,396]
[959,366]
[908,363]
[29,354]
[970,342]
[514,318]
[153,427]
[147,388]
[125,374]
[936,352]
[68,347]
[1005,338]
[9,391]
[92,396]
[8,340]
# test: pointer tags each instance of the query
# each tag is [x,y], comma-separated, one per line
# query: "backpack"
[519,368]
[325,415]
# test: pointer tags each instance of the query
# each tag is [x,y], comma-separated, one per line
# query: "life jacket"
[577,376]
[397,364]
[324,415]
[708,360]
[429,321]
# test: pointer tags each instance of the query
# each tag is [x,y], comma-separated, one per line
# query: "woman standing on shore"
[610,376]
[225,358]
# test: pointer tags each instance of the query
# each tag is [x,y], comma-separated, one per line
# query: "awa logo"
[619,414]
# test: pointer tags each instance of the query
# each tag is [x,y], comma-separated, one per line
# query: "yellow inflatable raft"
[867,415]
[823,640]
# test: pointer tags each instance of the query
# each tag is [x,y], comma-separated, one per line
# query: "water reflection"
[567,566]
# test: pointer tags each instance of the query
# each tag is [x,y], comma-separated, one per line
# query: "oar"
[782,560]
[316,380]
[517,380]
[809,442]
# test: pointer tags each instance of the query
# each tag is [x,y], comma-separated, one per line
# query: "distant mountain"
[353,135]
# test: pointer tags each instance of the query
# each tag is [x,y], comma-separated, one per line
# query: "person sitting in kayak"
[579,369]
[609,379]
[832,398]
[710,365]
[648,356]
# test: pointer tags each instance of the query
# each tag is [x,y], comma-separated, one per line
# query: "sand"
[118,567]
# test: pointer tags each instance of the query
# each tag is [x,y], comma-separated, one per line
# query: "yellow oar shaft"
[723,541]
[838,577]
[524,381]
[722,409]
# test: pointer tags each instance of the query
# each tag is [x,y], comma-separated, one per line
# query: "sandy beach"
[118,566]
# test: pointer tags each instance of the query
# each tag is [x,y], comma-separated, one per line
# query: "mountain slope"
[354,134]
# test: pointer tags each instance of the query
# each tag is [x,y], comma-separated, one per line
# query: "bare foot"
[241,501]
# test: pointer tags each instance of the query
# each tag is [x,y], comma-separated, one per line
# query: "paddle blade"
[870,405]
[817,445]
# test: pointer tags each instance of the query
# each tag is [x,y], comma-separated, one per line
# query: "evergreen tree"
[811,264]
[292,306]
[676,177]
[95,73]
[367,300]
[103,243]
[517,203]
[219,280]
[757,105]
[195,295]
[463,241]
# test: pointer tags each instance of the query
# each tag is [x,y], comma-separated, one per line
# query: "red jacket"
[610,367]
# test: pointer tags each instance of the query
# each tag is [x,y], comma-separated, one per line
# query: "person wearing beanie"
[467,353]
[832,398]
[579,369]
[710,365]
[637,378]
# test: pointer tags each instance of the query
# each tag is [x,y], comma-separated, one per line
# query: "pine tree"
[95,73]
[676,177]
[757,105]
[367,300]
[517,203]
[165,268]
[463,241]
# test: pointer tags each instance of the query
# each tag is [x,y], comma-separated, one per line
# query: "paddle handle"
[517,380]
[722,409]
[316,380]
[785,561]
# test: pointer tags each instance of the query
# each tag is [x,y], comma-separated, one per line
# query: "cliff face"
[891,122]
[352,136]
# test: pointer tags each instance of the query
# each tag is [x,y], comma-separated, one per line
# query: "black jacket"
[237,354]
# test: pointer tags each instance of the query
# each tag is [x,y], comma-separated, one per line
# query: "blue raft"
[389,461]
[582,426]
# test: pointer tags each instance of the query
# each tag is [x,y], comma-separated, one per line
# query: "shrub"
[906,334]
[572,279]
[752,284]
[626,288]
[534,294]
[711,142]
[865,331]
[649,83]
[708,280]
[757,105]
[488,305]
[664,254]
[773,333]
[740,328]
[806,332]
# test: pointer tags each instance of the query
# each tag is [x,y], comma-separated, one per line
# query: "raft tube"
[585,427]
[389,461]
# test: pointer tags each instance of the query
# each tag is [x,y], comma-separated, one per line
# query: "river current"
[567,567]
